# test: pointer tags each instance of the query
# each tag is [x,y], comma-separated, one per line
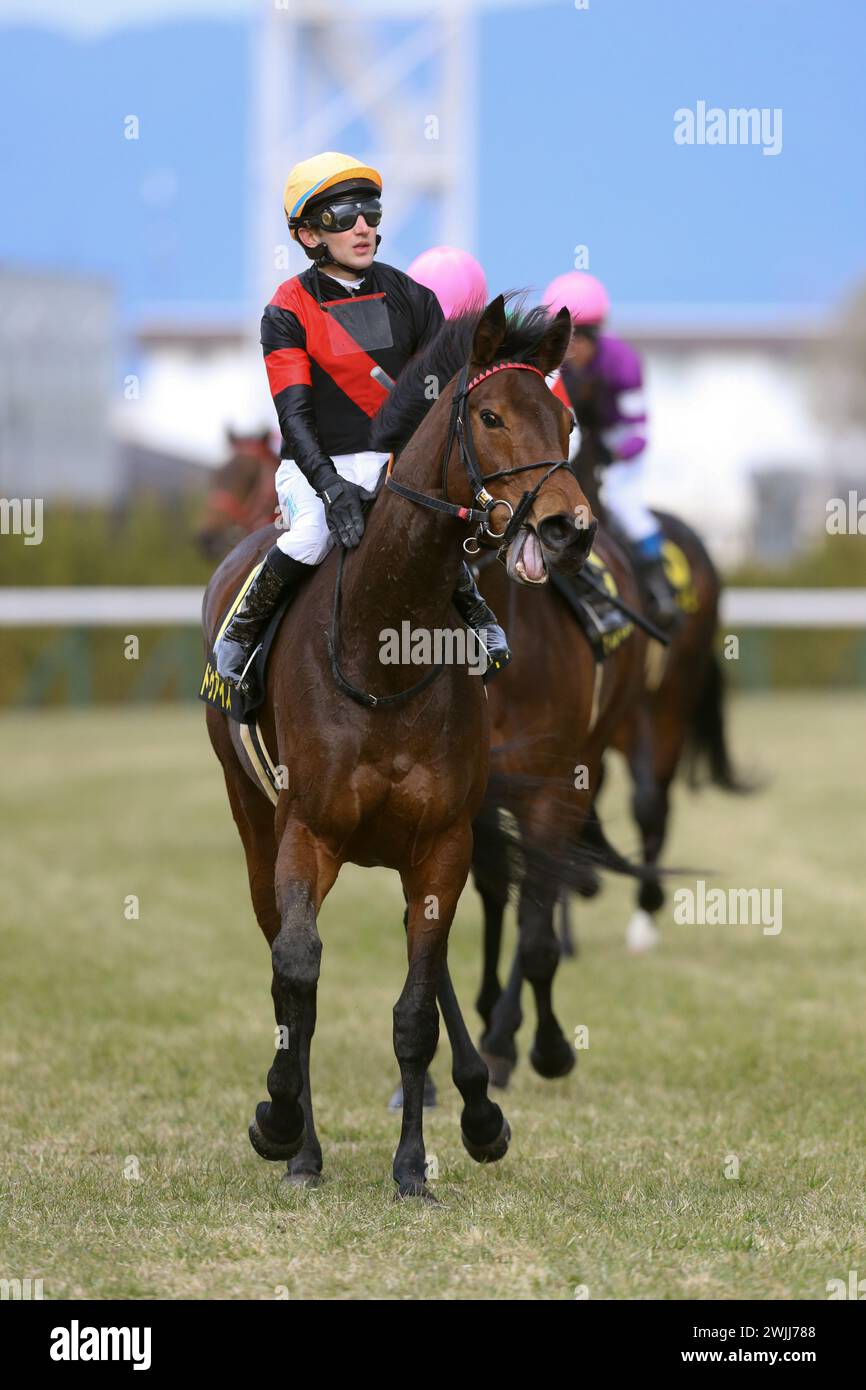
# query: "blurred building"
[196,378]
[57,383]
[737,445]
[737,442]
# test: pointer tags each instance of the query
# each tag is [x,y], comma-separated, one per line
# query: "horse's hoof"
[651,897]
[309,1179]
[642,934]
[499,1070]
[267,1145]
[589,884]
[554,1062]
[429,1102]
[415,1189]
[492,1152]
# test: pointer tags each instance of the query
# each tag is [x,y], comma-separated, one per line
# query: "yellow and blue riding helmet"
[328,189]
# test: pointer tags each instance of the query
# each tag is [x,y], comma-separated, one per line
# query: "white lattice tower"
[393,81]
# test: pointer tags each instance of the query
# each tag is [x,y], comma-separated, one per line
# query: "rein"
[362,697]
[614,600]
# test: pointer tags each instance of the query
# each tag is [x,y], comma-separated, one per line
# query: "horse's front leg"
[283,1127]
[483,1127]
[432,889]
[431,1099]
[492,875]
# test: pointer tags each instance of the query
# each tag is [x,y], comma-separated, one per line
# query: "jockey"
[601,382]
[334,338]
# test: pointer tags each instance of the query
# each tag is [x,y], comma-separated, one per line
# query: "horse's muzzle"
[565,545]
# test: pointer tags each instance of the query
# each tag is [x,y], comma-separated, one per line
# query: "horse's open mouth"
[525,561]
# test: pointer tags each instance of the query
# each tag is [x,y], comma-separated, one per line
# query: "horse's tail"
[601,854]
[708,743]
[503,855]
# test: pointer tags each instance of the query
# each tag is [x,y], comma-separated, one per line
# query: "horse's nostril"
[555,531]
[559,532]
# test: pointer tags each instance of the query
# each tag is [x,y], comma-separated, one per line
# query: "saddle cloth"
[244,705]
[680,578]
[676,564]
[604,625]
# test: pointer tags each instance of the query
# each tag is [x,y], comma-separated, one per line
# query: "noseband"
[459,428]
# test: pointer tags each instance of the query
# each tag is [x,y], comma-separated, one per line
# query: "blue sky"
[575,139]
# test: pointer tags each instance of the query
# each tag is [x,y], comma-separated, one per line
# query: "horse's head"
[241,497]
[519,431]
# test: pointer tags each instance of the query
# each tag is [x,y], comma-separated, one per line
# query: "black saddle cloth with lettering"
[243,705]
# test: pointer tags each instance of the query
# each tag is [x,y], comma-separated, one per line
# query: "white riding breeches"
[622,492]
[306,537]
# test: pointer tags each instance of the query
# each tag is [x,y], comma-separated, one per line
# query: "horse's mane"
[400,415]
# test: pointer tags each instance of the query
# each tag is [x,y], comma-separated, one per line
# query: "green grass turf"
[147,1043]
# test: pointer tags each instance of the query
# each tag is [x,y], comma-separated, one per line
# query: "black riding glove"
[343,511]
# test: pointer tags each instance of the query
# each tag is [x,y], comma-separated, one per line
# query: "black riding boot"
[664,609]
[237,645]
[481,618]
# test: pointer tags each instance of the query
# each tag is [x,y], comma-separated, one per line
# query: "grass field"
[140,1047]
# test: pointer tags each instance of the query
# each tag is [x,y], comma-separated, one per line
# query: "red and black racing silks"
[319,360]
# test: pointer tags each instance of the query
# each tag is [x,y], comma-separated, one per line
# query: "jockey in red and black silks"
[334,339]
[322,338]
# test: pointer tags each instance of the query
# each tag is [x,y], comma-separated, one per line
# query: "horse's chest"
[393,797]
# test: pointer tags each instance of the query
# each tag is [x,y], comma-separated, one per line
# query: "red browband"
[501,367]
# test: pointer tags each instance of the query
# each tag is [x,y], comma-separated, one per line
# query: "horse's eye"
[491,420]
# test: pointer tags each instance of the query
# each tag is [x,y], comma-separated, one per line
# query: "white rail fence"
[181,607]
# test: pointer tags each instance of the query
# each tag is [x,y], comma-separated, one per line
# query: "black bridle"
[459,429]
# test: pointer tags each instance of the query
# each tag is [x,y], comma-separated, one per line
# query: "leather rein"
[459,429]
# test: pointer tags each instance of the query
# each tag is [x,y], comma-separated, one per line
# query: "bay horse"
[378,769]
[241,498]
[682,712]
[675,708]
[553,713]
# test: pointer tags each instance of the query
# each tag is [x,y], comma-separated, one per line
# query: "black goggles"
[341,217]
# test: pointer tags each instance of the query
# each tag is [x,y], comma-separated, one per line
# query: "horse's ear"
[490,333]
[231,437]
[554,344]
